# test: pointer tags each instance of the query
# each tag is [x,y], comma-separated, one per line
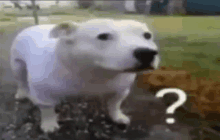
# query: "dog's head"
[121,45]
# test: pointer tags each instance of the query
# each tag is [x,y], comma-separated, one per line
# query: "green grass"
[61,13]
[2,31]
[187,43]
[4,19]
[190,43]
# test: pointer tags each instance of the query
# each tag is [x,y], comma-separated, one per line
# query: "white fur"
[56,69]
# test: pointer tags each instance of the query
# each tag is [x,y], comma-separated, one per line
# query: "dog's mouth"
[136,69]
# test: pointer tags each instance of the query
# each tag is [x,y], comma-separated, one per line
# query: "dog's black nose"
[144,56]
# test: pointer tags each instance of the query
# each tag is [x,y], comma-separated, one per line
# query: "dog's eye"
[104,36]
[147,36]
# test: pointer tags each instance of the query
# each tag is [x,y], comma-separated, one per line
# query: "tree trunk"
[57,2]
[35,12]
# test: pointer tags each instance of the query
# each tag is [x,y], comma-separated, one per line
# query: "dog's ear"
[63,30]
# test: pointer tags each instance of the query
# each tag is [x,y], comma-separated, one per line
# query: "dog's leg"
[22,91]
[48,119]
[114,108]
[20,73]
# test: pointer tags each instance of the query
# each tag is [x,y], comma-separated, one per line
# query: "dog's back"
[30,40]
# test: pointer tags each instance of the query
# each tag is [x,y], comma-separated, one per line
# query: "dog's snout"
[144,55]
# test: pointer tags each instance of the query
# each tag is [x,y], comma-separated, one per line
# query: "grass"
[200,58]
[190,43]
[2,31]
[60,13]
[5,19]
[10,14]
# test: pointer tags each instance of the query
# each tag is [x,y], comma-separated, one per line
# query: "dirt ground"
[147,112]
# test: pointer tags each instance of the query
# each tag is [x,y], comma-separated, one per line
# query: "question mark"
[178,103]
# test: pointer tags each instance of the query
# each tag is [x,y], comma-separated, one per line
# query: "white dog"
[99,56]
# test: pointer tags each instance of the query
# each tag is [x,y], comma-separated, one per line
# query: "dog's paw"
[49,126]
[121,118]
[48,120]
[21,93]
